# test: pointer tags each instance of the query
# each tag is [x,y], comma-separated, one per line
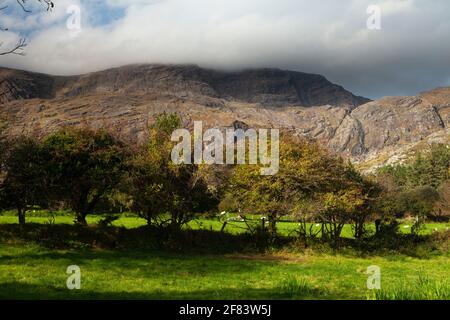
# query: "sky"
[404,52]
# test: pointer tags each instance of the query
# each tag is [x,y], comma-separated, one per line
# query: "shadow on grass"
[60,236]
[138,264]
[21,291]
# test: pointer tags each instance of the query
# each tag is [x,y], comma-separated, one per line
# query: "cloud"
[409,54]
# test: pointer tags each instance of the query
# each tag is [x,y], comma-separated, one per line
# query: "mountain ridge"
[268,86]
[128,98]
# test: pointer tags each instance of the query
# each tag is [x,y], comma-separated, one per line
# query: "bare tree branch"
[22,4]
[18,48]
[48,3]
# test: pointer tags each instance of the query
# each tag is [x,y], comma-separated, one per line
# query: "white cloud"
[409,54]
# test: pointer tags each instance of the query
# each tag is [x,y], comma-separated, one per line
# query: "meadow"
[34,271]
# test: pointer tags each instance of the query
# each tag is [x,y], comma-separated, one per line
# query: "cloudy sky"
[409,54]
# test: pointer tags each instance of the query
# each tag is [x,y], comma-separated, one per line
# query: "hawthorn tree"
[24,183]
[164,193]
[305,169]
[311,185]
[366,194]
[83,165]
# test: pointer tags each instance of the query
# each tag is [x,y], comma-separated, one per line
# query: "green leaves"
[427,168]
[159,187]
[83,165]
[311,184]
[418,186]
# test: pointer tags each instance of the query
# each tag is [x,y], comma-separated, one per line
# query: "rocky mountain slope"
[268,87]
[127,98]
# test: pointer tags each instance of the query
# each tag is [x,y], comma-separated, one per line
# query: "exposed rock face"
[269,87]
[15,85]
[127,98]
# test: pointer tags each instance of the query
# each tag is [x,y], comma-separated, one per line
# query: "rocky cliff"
[127,98]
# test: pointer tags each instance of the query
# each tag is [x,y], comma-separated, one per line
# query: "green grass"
[234,227]
[33,272]
[423,288]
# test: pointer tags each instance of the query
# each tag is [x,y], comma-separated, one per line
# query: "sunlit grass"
[30,271]
[234,227]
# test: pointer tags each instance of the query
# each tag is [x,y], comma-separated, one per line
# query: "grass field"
[31,271]
[235,227]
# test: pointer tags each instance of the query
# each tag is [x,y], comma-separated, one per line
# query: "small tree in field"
[367,194]
[83,166]
[164,193]
[311,185]
[305,169]
[24,182]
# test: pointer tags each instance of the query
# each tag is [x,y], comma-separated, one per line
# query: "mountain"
[268,87]
[371,133]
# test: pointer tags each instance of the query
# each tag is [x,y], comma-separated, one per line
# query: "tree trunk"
[21,215]
[272,225]
[359,229]
[377,226]
[81,219]
[174,226]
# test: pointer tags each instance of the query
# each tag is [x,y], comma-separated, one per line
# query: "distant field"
[234,227]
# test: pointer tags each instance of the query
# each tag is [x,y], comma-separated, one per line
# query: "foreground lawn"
[33,272]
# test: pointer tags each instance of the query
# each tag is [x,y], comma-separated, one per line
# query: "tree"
[311,185]
[367,197]
[441,211]
[418,186]
[305,170]
[429,167]
[164,193]
[21,44]
[335,212]
[83,166]
[352,198]
[24,184]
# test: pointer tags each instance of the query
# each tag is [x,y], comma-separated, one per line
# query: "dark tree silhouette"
[18,48]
